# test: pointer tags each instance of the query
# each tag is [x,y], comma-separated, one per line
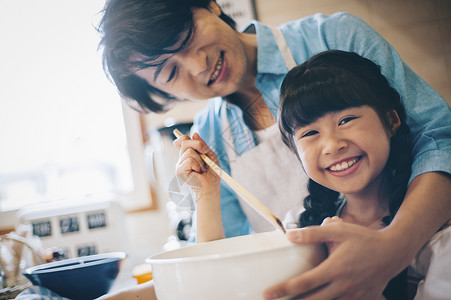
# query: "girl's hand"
[192,169]
[204,182]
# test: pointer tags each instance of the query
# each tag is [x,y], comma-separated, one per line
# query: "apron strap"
[227,136]
[283,48]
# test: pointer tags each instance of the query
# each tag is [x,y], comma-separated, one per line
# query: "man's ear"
[393,121]
[214,8]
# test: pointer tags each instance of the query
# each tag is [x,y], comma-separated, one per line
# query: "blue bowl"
[80,278]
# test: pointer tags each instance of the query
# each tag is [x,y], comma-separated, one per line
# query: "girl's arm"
[381,254]
[210,125]
[205,184]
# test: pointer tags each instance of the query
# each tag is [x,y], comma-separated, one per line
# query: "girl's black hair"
[149,28]
[332,81]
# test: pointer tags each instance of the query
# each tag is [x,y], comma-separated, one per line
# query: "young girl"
[341,117]
[347,125]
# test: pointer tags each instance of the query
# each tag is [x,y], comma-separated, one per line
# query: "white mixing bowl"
[234,268]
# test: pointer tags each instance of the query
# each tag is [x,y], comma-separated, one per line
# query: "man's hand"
[356,269]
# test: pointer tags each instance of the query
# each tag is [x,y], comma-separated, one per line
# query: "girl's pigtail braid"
[319,204]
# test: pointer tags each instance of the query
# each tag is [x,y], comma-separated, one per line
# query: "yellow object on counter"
[142,273]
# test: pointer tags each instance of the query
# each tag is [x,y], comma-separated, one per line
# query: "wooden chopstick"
[241,191]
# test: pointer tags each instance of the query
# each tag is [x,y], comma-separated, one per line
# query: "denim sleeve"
[428,114]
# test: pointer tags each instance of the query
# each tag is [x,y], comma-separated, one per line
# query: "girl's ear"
[214,8]
[393,121]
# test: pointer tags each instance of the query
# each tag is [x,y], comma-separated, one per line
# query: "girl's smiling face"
[346,150]
[213,63]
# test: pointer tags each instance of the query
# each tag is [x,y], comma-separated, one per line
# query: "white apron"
[270,171]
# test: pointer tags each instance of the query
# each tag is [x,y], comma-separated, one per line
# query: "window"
[62,131]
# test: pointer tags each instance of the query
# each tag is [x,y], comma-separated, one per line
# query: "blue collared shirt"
[428,114]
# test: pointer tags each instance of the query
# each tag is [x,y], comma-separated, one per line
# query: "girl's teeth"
[343,166]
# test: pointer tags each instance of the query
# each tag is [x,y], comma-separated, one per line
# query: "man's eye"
[309,133]
[346,120]
[172,74]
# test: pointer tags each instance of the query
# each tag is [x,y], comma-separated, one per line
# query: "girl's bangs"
[322,93]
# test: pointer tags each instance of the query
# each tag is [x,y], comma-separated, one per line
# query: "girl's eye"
[346,120]
[309,133]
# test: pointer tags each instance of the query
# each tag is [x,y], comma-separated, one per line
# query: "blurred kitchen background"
[90,175]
